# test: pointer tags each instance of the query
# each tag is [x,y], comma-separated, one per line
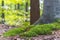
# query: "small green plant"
[33,30]
[38,30]
[57,20]
[17,31]
[14,32]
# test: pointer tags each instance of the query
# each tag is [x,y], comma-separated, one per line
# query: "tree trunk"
[34,11]
[27,6]
[26,9]
[15,6]
[18,6]
[3,15]
[48,12]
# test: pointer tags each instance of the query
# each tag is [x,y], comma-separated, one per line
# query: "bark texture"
[49,13]
[35,11]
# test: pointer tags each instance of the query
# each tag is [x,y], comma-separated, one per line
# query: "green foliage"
[56,26]
[38,30]
[44,29]
[16,31]
[52,26]
[57,20]
[12,16]
[26,23]
[33,30]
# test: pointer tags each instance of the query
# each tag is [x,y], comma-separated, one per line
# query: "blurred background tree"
[16,12]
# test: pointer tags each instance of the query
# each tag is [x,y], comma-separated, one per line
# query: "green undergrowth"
[33,30]
[16,31]
[37,31]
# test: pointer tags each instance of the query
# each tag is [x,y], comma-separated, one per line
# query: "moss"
[33,30]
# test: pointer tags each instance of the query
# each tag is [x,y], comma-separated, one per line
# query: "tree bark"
[48,13]
[34,11]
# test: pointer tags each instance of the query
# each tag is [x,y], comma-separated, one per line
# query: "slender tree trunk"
[34,11]
[18,6]
[26,9]
[3,15]
[15,7]
[27,6]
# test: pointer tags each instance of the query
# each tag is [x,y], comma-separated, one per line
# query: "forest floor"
[55,35]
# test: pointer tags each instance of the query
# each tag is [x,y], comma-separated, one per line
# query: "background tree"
[26,9]
[3,15]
